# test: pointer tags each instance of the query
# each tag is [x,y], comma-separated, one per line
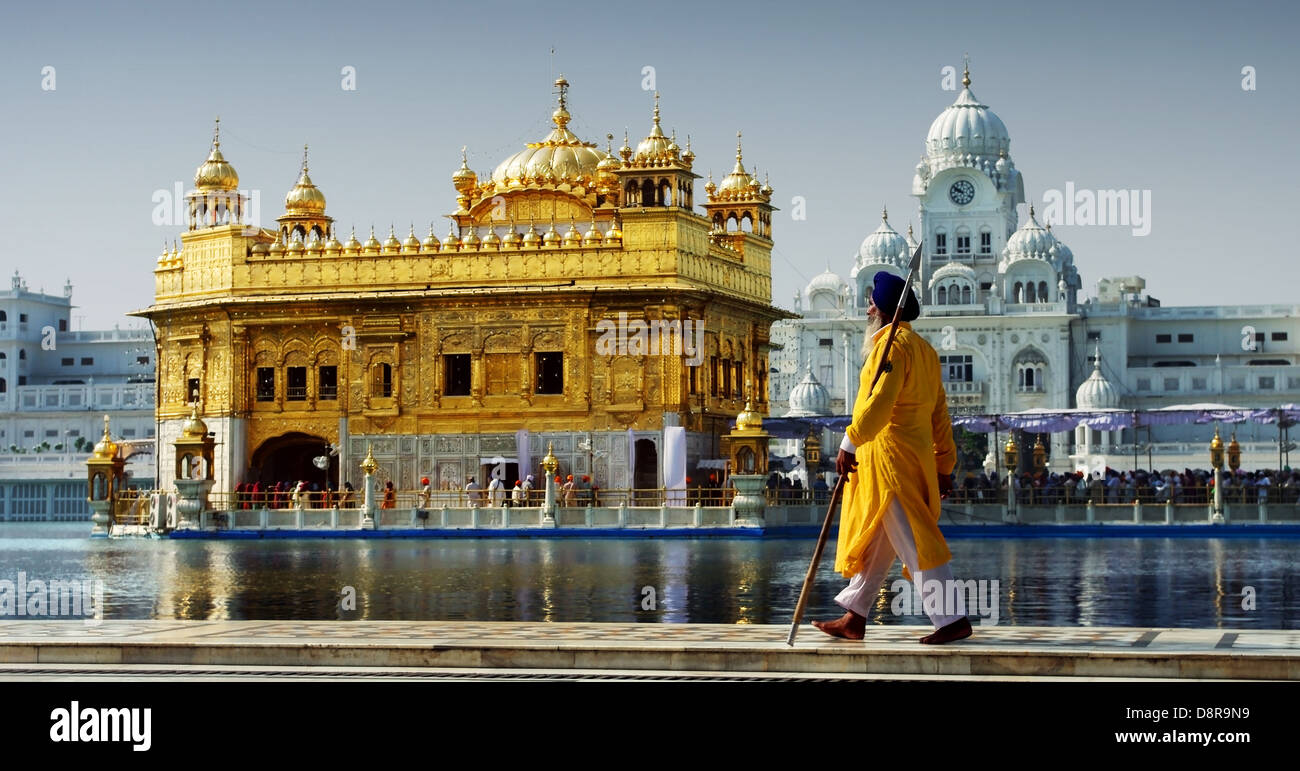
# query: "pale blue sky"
[834,99]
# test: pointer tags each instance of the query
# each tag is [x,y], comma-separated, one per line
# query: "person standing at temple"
[473,491]
[496,491]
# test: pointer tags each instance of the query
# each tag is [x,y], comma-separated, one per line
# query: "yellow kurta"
[904,439]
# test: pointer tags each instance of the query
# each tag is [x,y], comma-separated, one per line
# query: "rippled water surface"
[1176,582]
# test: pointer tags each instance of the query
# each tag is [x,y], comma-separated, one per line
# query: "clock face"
[962,192]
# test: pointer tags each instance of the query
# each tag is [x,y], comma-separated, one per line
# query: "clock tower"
[968,189]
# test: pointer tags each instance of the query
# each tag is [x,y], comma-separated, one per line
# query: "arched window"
[1043,296]
[1018,294]
[648,193]
[965,295]
[941,296]
[4,316]
[1031,294]
[4,386]
[381,380]
[22,354]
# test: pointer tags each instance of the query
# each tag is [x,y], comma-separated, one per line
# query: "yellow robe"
[904,439]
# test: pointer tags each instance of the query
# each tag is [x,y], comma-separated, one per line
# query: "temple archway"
[288,458]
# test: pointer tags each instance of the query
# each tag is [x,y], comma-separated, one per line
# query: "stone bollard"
[442,516]
[265,518]
[1060,513]
[473,517]
[589,516]
[1263,513]
[1137,512]
[663,516]
[1169,511]
[697,515]
[622,514]
[334,517]
[1092,512]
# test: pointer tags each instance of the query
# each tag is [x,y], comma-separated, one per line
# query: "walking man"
[899,455]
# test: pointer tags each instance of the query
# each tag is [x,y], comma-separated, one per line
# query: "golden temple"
[442,353]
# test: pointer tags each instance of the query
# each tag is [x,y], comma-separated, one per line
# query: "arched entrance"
[288,458]
[645,476]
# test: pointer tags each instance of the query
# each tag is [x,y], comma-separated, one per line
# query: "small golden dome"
[277,247]
[353,246]
[654,149]
[372,245]
[532,238]
[314,244]
[305,198]
[688,157]
[431,244]
[451,243]
[512,239]
[216,173]
[391,244]
[593,236]
[412,244]
[572,238]
[709,187]
[492,240]
[552,236]
[739,182]
[471,240]
[258,248]
[749,419]
[464,180]
[105,448]
[613,236]
[194,427]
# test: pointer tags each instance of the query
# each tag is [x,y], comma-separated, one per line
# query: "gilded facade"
[440,351]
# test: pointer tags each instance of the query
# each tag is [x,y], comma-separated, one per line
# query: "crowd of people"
[1113,486]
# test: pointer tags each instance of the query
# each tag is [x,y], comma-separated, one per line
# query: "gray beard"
[873,326]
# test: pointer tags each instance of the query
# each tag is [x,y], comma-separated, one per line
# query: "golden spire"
[739,168]
[216,133]
[369,465]
[657,111]
[561,114]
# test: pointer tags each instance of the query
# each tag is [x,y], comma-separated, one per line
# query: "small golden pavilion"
[453,355]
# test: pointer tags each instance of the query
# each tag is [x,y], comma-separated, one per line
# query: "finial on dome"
[1031,211]
[216,133]
[737,147]
[909,230]
[304,158]
[562,88]
[656,108]
[884,213]
[965,78]
[609,144]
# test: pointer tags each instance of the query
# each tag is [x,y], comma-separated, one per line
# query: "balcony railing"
[118,396]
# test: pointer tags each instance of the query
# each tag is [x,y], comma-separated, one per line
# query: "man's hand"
[945,484]
[845,463]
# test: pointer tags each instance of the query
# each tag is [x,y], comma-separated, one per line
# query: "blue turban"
[886,289]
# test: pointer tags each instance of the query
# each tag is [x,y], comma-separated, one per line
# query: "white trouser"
[894,539]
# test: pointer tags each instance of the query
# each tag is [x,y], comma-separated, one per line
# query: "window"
[1094,337]
[142,360]
[693,379]
[550,372]
[1239,383]
[66,361]
[1144,384]
[87,361]
[716,376]
[29,434]
[1171,384]
[1184,338]
[986,285]
[940,243]
[1198,384]
[22,317]
[63,325]
[963,244]
[986,243]
[456,374]
[296,384]
[22,354]
[1164,338]
[266,384]
[1176,363]
[192,389]
[739,382]
[22,380]
[128,432]
[825,342]
[1266,383]
[381,380]
[328,384]
[726,378]
[50,433]
[1278,336]
[956,369]
[1269,363]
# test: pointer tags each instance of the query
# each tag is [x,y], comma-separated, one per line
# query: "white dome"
[967,128]
[1031,241]
[883,247]
[1096,393]
[953,270]
[826,281]
[808,397]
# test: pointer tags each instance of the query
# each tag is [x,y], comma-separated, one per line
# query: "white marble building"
[1001,305]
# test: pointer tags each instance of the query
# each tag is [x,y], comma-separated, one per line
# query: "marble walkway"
[997,652]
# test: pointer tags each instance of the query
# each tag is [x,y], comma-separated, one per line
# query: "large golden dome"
[739,183]
[216,173]
[559,159]
[305,197]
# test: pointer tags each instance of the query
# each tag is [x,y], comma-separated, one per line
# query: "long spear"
[912,270]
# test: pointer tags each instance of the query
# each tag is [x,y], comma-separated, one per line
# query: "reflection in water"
[1179,582]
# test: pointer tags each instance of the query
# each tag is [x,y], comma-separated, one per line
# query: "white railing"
[118,396]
